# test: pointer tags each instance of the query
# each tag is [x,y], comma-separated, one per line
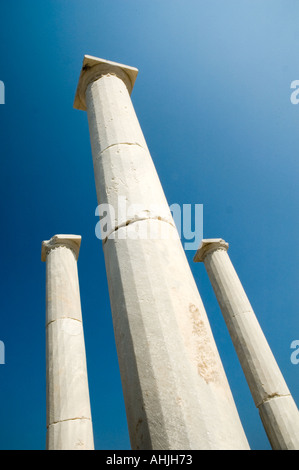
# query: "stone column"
[277,409]
[69,425]
[175,389]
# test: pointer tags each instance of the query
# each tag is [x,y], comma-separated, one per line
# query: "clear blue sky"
[213,99]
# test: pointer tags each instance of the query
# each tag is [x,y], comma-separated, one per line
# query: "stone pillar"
[277,409]
[69,425]
[175,389]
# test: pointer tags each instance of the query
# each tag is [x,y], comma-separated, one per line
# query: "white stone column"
[175,389]
[69,425]
[277,409]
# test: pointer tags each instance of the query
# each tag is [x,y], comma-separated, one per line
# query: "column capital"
[93,68]
[72,242]
[207,245]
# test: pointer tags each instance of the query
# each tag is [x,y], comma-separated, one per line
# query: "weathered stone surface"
[69,423]
[271,395]
[122,163]
[70,435]
[94,68]
[176,392]
[279,415]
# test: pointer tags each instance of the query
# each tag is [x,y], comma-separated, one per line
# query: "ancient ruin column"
[69,425]
[277,409]
[175,389]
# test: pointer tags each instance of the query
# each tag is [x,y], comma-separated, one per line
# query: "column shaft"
[69,425]
[271,395]
[175,389]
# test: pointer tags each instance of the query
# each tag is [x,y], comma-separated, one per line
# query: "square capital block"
[208,245]
[93,68]
[72,242]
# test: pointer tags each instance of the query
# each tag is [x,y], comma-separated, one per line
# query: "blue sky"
[213,99]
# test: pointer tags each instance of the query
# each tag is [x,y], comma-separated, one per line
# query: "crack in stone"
[63,318]
[69,419]
[115,145]
[132,221]
[235,315]
[271,397]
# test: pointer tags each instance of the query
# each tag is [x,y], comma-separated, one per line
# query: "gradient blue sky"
[213,99]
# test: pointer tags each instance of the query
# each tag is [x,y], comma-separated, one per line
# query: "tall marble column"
[277,409]
[175,389]
[69,425]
